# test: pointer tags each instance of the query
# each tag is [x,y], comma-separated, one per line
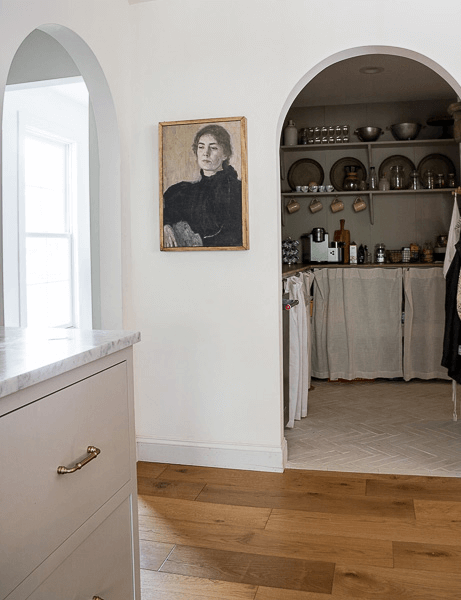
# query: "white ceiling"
[401,80]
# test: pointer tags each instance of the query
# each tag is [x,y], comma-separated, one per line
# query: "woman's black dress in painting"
[212,207]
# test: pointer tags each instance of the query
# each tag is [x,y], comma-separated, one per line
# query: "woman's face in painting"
[210,155]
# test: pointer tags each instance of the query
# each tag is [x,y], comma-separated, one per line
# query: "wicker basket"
[394,256]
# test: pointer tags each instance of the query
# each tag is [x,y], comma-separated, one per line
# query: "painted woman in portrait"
[206,212]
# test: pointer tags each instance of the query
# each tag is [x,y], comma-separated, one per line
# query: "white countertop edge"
[29,356]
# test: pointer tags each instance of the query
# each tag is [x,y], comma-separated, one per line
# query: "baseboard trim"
[227,456]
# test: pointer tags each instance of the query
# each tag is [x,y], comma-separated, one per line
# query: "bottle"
[368,259]
[373,179]
[290,134]
[361,255]
[380,253]
[384,185]
[397,178]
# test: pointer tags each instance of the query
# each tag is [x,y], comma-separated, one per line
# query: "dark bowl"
[368,134]
[405,131]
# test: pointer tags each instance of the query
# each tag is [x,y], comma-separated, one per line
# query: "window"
[46,208]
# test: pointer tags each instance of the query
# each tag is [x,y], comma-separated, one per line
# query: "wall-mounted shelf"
[369,145]
[365,192]
[369,193]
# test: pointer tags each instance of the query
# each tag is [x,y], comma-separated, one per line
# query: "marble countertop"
[29,356]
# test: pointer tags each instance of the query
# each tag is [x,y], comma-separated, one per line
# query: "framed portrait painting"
[203,185]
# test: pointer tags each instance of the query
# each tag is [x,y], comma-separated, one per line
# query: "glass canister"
[430,183]
[397,177]
[440,181]
[351,181]
[380,253]
[415,181]
[451,180]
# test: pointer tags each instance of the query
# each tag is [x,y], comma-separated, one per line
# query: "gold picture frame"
[203,185]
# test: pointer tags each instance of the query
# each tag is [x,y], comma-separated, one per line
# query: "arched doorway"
[374,86]
[105,206]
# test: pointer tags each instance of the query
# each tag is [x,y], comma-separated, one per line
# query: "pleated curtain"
[357,323]
[424,324]
[299,330]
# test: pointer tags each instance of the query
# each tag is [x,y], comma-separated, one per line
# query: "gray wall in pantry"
[398,219]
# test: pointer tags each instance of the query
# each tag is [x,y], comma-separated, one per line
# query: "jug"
[337,205]
[359,204]
[315,205]
[293,206]
[351,181]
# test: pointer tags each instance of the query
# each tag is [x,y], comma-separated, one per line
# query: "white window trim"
[13,223]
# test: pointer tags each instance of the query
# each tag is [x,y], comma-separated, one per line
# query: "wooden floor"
[219,534]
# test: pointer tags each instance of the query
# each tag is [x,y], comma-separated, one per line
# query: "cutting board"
[343,235]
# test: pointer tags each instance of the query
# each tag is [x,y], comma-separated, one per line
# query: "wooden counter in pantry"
[288,270]
[68,513]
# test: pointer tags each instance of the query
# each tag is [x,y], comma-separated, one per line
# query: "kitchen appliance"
[336,252]
[315,246]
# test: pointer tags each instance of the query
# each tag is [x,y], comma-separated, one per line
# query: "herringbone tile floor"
[378,427]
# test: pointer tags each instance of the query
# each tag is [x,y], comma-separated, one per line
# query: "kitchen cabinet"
[67,532]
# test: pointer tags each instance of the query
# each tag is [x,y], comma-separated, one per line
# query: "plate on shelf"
[338,171]
[437,163]
[397,161]
[303,171]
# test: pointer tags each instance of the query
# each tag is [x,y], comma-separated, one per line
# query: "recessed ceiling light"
[371,70]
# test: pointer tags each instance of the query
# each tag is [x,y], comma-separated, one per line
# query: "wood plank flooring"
[222,534]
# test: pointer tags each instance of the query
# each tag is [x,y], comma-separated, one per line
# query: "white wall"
[208,375]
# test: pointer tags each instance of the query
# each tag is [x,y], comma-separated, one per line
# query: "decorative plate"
[437,163]
[303,172]
[397,160]
[338,171]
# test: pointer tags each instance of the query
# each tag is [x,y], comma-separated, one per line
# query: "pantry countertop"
[288,270]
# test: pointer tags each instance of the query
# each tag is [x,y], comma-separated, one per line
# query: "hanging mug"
[293,206]
[315,205]
[359,204]
[337,205]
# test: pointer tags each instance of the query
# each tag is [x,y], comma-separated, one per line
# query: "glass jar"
[440,181]
[397,175]
[451,180]
[384,185]
[430,180]
[415,182]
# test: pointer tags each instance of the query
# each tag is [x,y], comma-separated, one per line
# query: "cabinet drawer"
[101,566]
[40,508]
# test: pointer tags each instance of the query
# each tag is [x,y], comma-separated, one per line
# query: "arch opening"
[64,56]
[422,93]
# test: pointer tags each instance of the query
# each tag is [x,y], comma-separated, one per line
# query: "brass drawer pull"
[97,598]
[92,453]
